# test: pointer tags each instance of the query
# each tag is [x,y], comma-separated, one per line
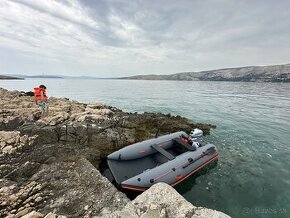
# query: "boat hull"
[178,179]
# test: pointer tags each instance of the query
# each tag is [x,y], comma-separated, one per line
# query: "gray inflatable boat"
[169,158]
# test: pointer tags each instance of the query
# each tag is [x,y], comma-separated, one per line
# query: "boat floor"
[123,170]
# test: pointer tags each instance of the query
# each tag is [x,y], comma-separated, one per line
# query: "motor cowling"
[196,133]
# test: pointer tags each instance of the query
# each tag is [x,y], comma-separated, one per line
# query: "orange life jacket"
[37,94]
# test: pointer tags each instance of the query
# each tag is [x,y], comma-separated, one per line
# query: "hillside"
[274,73]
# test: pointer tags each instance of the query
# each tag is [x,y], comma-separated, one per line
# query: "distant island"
[8,77]
[274,73]
[22,77]
[45,76]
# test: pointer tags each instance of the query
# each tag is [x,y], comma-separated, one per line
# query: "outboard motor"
[193,135]
[195,144]
[196,133]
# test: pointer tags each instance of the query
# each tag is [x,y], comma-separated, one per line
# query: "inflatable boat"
[169,158]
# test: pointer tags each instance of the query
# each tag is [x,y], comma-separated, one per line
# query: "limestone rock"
[8,149]
[76,185]
[129,211]
[201,212]
[161,200]
[19,199]
[22,212]
[12,141]
[162,196]
[57,118]
[51,215]
[9,137]
[33,214]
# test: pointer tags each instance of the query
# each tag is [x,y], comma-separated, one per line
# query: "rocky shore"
[49,166]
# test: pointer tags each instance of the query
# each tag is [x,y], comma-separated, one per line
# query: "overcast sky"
[107,38]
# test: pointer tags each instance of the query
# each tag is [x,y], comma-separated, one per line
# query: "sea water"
[252,175]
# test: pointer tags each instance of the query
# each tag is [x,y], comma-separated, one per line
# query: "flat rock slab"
[161,200]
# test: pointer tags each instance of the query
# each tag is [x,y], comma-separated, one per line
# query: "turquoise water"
[252,177]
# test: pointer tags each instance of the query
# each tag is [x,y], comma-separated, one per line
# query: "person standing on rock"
[40,98]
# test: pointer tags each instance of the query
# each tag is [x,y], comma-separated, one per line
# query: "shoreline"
[50,165]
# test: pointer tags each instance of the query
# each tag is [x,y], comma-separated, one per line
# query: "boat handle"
[190,161]
[209,151]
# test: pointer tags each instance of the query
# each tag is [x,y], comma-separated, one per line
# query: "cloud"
[118,38]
